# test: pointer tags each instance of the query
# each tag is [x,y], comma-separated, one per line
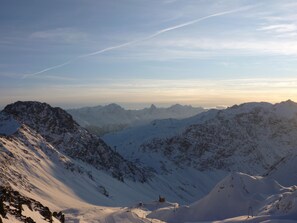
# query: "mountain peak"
[176,106]
[248,106]
[113,107]
[37,114]
[59,129]
[286,109]
[288,102]
[153,107]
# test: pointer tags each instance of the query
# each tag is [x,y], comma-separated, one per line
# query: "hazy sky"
[201,52]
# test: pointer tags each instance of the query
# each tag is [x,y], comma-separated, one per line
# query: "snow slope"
[236,195]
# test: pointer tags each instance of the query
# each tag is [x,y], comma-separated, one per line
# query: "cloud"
[168,29]
[169,1]
[280,28]
[206,92]
[66,35]
[218,46]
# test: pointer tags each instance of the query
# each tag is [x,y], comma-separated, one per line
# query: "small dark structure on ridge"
[161,199]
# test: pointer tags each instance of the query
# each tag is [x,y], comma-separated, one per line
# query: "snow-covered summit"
[60,130]
[42,116]
[286,109]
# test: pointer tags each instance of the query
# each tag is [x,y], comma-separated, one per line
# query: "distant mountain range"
[253,138]
[112,117]
[228,165]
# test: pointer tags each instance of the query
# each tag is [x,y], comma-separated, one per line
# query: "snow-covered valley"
[231,165]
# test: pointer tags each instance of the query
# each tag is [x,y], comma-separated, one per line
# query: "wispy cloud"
[169,1]
[55,77]
[165,30]
[280,28]
[279,17]
[68,35]
[219,46]
[206,92]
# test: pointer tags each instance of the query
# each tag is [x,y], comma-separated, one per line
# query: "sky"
[74,53]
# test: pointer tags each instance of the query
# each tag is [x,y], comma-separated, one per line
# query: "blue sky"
[73,53]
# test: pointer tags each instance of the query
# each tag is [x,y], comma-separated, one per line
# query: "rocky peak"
[113,108]
[153,107]
[41,115]
[61,131]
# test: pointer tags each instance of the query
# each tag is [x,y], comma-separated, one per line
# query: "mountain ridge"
[113,117]
[60,130]
[252,133]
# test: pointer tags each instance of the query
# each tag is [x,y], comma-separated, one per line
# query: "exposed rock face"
[12,202]
[59,129]
[250,137]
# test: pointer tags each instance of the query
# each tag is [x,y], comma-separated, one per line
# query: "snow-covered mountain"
[58,129]
[112,117]
[250,138]
[46,156]
[255,138]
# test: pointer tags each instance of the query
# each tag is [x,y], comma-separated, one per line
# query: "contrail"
[49,68]
[79,57]
[138,40]
[109,49]
[195,21]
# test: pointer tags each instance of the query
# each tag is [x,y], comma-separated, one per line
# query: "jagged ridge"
[250,137]
[112,117]
[60,130]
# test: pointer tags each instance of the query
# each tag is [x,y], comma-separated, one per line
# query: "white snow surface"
[236,195]
[36,216]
